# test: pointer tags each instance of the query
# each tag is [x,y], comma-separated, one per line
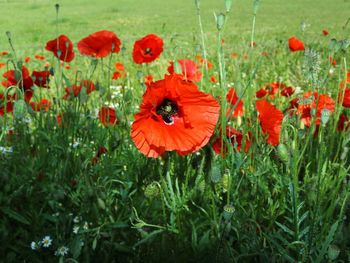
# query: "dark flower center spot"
[148,51]
[167,110]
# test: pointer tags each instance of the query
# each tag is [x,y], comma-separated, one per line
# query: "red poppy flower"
[116,75]
[233,101]
[101,150]
[99,44]
[261,93]
[273,88]
[44,104]
[295,44]
[234,55]
[235,137]
[4,53]
[9,105]
[41,78]
[325,32]
[287,91]
[174,116]
[2,64]
[75,90]
[346,99]
[26,59]
[62,48]
[72,91]
[213,79]
[190,70]
[307,104]
[39,57]
[147,49]
[148,79]
[107,116]
[270,121]
[88,85]
[59,118]
[119,67]
[343,123]
[21,79]
[332,61]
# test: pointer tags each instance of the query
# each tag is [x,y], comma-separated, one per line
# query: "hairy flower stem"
[204,51]
[255,10]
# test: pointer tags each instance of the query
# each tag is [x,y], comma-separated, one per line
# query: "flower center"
[167,110]
[148,51]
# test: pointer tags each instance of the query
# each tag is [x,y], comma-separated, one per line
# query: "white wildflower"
[34,245]
[62,251]
[75,229]
[47,241]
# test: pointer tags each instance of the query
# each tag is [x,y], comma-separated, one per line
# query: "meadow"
[176,131]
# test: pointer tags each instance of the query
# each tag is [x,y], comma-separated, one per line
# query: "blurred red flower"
[343,123]
[75,90]
[235,138]
[190,70]
[41,78]
[62,48]
[174,116]
[99,44]
[119,67]
[21,79]
[213,79]
[325,32]
[287,91]
[273,88]
[346,99]
[107,116]
[270,120]
[2,64]
[233,101]
[44,104]
[310,102]
[147,49]
[39,57]
[295,44]
[26,59]
[148,79]
[9,104]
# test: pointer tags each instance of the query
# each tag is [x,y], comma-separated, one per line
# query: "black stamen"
[167,110]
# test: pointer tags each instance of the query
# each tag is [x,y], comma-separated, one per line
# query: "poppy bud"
[152,190]
[101,203]
[20,109]
[283,152]
[228,4]
[220,21]
[215,174]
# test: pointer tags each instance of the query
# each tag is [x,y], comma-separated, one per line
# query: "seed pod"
[228,212]
[215,174]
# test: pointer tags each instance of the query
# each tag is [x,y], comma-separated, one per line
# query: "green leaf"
[148,237]
[16,216]
[75,246]
[327,242]
[333,252]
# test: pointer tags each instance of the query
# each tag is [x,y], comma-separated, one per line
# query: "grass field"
[32,22]
[183,146]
